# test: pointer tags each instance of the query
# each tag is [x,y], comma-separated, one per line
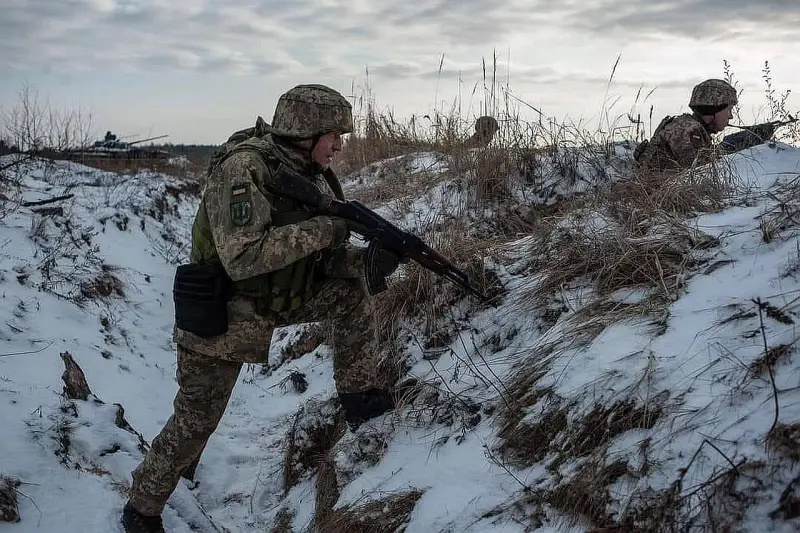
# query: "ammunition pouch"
[200,293]
[284,290]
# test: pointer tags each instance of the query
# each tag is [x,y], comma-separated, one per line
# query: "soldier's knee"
[352,300]
[352,291]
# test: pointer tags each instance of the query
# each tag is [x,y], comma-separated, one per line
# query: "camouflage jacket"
[248,244]
[678,143]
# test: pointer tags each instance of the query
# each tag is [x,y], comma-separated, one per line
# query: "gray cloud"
[701,19]
[396,41]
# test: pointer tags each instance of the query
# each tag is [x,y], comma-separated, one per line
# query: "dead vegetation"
[784,439]
[316,427]
[586,495]
[67,418]
[388,514]
[9,505]
[426,299]
[327,491]
[283,521]
[75,385]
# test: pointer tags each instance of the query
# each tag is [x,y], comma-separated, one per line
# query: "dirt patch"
[103,285]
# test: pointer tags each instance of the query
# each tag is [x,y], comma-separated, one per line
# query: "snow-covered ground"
[95,280]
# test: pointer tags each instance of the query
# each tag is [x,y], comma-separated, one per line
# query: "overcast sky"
[197,70]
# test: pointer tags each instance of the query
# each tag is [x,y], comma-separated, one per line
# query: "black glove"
[387,261]
[340,232]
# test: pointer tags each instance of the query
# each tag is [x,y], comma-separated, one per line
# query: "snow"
[137,227]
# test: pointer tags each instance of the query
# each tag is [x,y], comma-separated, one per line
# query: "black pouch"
[201,292]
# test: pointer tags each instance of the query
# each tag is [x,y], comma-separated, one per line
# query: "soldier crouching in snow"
[683,141]
[277,264]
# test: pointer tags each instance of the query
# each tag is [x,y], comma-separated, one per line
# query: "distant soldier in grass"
[485,129]
[258,262]
[686,140]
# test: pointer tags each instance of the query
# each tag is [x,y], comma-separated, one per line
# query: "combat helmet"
[711,96]
[486,125]
[311,110]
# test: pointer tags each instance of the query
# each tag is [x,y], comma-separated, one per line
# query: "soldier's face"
[722,119]
[326,148]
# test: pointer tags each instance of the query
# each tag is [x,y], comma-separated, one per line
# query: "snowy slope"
[74,462]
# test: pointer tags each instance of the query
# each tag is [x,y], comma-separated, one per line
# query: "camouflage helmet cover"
[486,124]
[306,111]
[713,93]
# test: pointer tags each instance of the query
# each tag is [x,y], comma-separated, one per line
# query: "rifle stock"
[380,232]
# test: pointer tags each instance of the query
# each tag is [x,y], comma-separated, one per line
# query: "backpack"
[259,130]
[640,149]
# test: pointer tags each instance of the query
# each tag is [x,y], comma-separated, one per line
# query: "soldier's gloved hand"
[387,261]
[340,232]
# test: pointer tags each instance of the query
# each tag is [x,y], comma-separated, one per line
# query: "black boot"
[188,474]
[362,406]
[135,522]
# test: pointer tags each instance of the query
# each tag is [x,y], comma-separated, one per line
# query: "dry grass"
[283,521]
[327,491]
[770,359]
[422,295]
[379,136]
[603,423]
[785,440]
[524,444]
[104,285]
[586,495]
[392,179]
[612,258]
[784,215]
[644,196]
[388,514]
[9,505]
[315,429]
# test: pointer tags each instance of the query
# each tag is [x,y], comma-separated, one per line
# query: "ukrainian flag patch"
[241,207]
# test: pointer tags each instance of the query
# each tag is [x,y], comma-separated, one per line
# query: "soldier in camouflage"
[287,266]
[685,141]
[485,129]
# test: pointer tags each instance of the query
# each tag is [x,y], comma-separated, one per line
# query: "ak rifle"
[377,230]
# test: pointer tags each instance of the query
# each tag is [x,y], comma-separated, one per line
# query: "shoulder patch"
[241,206]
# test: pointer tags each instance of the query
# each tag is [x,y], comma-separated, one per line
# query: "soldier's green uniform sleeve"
[691,145]
[239,213]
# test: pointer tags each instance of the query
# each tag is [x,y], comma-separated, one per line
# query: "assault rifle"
[752,135]
[377,230]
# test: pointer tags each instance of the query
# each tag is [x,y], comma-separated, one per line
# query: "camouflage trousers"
[205,385]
